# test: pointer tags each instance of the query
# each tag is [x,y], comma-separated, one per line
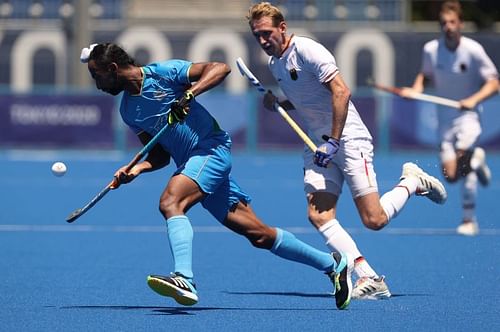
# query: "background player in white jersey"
[308,75]
[459,69]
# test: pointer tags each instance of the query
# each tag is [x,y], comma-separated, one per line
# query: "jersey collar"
[287,47]
[143,76]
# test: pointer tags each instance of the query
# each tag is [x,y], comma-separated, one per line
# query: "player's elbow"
[342,92]
[224,69]
[495,86]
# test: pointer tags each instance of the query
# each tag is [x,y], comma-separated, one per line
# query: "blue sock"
[180,235]
[289,247]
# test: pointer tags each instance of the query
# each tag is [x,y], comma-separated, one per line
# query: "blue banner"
[42,121]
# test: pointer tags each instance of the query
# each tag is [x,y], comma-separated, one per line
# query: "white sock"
[393,201]
[469,194]
[363,269]
[475,163]
[339,240]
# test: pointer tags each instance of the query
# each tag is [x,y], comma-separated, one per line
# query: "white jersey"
[456,74]
[301,72]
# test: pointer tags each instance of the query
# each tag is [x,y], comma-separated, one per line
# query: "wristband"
[188,95]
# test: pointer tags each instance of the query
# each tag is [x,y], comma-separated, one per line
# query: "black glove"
[180,108]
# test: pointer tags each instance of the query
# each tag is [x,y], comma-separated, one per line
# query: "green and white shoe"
[341,279]
[175,286]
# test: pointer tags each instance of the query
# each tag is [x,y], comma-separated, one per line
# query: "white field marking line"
[49,155]
[96,229]
[221,229]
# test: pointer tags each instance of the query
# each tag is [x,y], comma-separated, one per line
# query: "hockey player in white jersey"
[308,75]
[459,68]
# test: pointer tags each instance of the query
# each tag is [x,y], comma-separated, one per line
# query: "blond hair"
[265,9]
[452,6]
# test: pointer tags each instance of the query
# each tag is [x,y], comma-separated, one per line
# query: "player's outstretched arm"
[207,75]
[417,87]
[488,89]
[156,158]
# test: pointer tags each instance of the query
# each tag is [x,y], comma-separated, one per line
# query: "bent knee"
[261,238]
[451,179]
[317,220]
[169,207]
[375,222]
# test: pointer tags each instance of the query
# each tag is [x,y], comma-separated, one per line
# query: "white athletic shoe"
[470,228]
[367,288]
[478,164]
[428,186]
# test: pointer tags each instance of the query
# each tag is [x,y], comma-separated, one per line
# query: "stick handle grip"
[296,128]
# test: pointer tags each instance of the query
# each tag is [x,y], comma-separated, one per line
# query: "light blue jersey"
[199,148]
[164,82]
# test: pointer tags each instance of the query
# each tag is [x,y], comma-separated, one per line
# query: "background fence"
[47,98]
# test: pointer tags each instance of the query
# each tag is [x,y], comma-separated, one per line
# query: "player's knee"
[451,179]
[169,207]
[463,164]
[317,219]
[261,238]
[375,222]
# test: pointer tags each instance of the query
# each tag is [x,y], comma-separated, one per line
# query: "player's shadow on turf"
[181,311]
[174,311]
[296,294]
[154,310]
[323,295]
[411,295]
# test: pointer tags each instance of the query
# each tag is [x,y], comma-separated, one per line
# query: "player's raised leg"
[338,266]
[412,181]
[479,165]
[427,185]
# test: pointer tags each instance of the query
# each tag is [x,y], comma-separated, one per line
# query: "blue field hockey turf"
[91,275]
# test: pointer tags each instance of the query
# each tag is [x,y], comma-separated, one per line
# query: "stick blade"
[241,65]
[248,74]
[74,215]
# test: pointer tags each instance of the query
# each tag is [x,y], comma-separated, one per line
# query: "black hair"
[106,53]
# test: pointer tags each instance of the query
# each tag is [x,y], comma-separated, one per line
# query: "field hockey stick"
[417,96]
[145,150]
[255,82]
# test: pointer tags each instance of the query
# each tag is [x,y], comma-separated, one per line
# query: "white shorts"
[352,163]
[461,134]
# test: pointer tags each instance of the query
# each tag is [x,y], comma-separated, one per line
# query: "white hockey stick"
[417,96]
[255,82]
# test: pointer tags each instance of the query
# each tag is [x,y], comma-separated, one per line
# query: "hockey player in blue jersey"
[164,94]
